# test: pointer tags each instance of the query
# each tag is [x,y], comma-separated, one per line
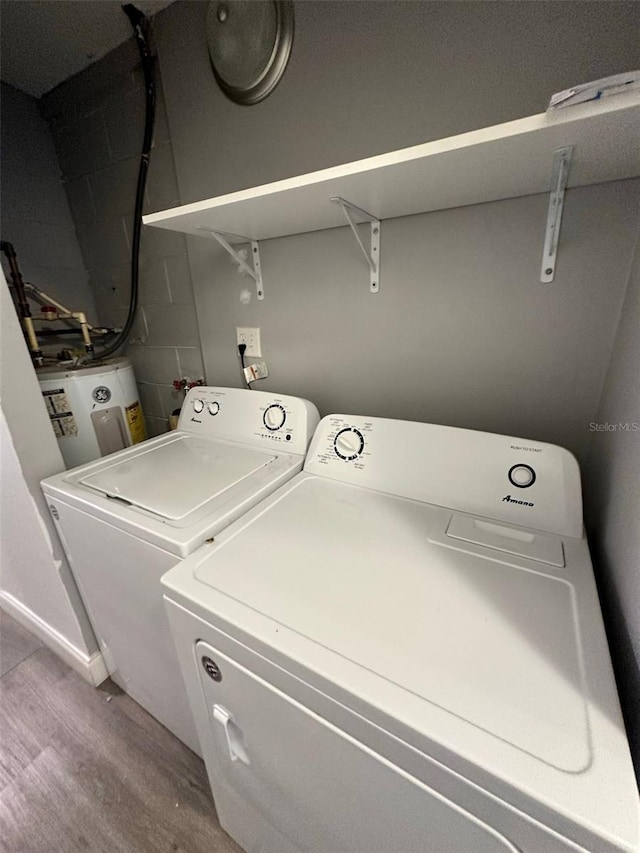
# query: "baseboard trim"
[91,667]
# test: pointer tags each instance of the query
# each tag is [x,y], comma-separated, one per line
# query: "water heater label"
[56,401]
[60,414]
[135,420]
[64,424]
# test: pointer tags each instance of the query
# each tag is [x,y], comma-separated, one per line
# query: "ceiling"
[43,42]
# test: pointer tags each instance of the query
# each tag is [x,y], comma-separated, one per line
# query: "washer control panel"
[524,482]
[251,417]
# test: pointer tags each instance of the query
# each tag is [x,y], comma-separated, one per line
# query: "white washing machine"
[402,650]
[126,519]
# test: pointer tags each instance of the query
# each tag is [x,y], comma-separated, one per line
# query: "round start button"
[522,476]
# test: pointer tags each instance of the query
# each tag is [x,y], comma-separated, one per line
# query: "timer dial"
[198,406]
[274,417]
[213,408]
[348,443]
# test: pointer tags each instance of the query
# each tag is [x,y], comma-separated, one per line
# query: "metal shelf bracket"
[373,255]
[559,176]
[256,271]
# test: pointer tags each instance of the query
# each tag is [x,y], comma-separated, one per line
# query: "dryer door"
[284,779]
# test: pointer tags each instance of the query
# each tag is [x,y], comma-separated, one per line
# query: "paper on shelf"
[603,88]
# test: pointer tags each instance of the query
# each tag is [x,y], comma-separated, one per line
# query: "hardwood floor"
[16,643]
[85,769]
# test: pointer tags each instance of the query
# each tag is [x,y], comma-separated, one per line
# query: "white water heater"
[93,410]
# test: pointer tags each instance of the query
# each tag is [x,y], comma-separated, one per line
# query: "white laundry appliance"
[402,650]
[126,519]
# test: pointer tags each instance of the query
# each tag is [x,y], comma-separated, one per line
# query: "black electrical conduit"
[140,26]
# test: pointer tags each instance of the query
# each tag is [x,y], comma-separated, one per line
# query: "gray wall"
[613,481]
[34,209]
[462,332]
[97,119]
[368,77]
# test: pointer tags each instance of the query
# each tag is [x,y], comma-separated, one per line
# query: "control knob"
[348,443]
[213,407]
[274,417]
[198,406]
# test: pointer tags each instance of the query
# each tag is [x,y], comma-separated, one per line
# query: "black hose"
[140,26]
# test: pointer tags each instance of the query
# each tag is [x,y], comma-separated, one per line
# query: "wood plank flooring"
[85,769]
[16,643]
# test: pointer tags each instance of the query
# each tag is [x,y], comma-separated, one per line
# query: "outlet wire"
[241,349]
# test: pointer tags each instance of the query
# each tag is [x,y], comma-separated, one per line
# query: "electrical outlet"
[250,337]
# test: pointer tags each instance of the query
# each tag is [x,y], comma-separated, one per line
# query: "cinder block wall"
[34,213]
[97,120]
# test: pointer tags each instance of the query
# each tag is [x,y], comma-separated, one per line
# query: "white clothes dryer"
[402,649]
[126,519]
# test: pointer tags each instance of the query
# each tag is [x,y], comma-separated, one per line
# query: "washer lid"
[175,479]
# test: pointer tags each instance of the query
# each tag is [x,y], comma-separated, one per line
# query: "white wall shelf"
[504,161]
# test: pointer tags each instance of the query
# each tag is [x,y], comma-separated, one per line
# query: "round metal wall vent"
[249,46]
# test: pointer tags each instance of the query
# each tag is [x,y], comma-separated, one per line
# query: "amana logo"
[511,500]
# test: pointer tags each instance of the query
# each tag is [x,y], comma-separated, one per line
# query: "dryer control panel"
[252,417]
[529,483]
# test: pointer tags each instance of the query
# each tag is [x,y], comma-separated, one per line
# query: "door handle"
[232,733]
